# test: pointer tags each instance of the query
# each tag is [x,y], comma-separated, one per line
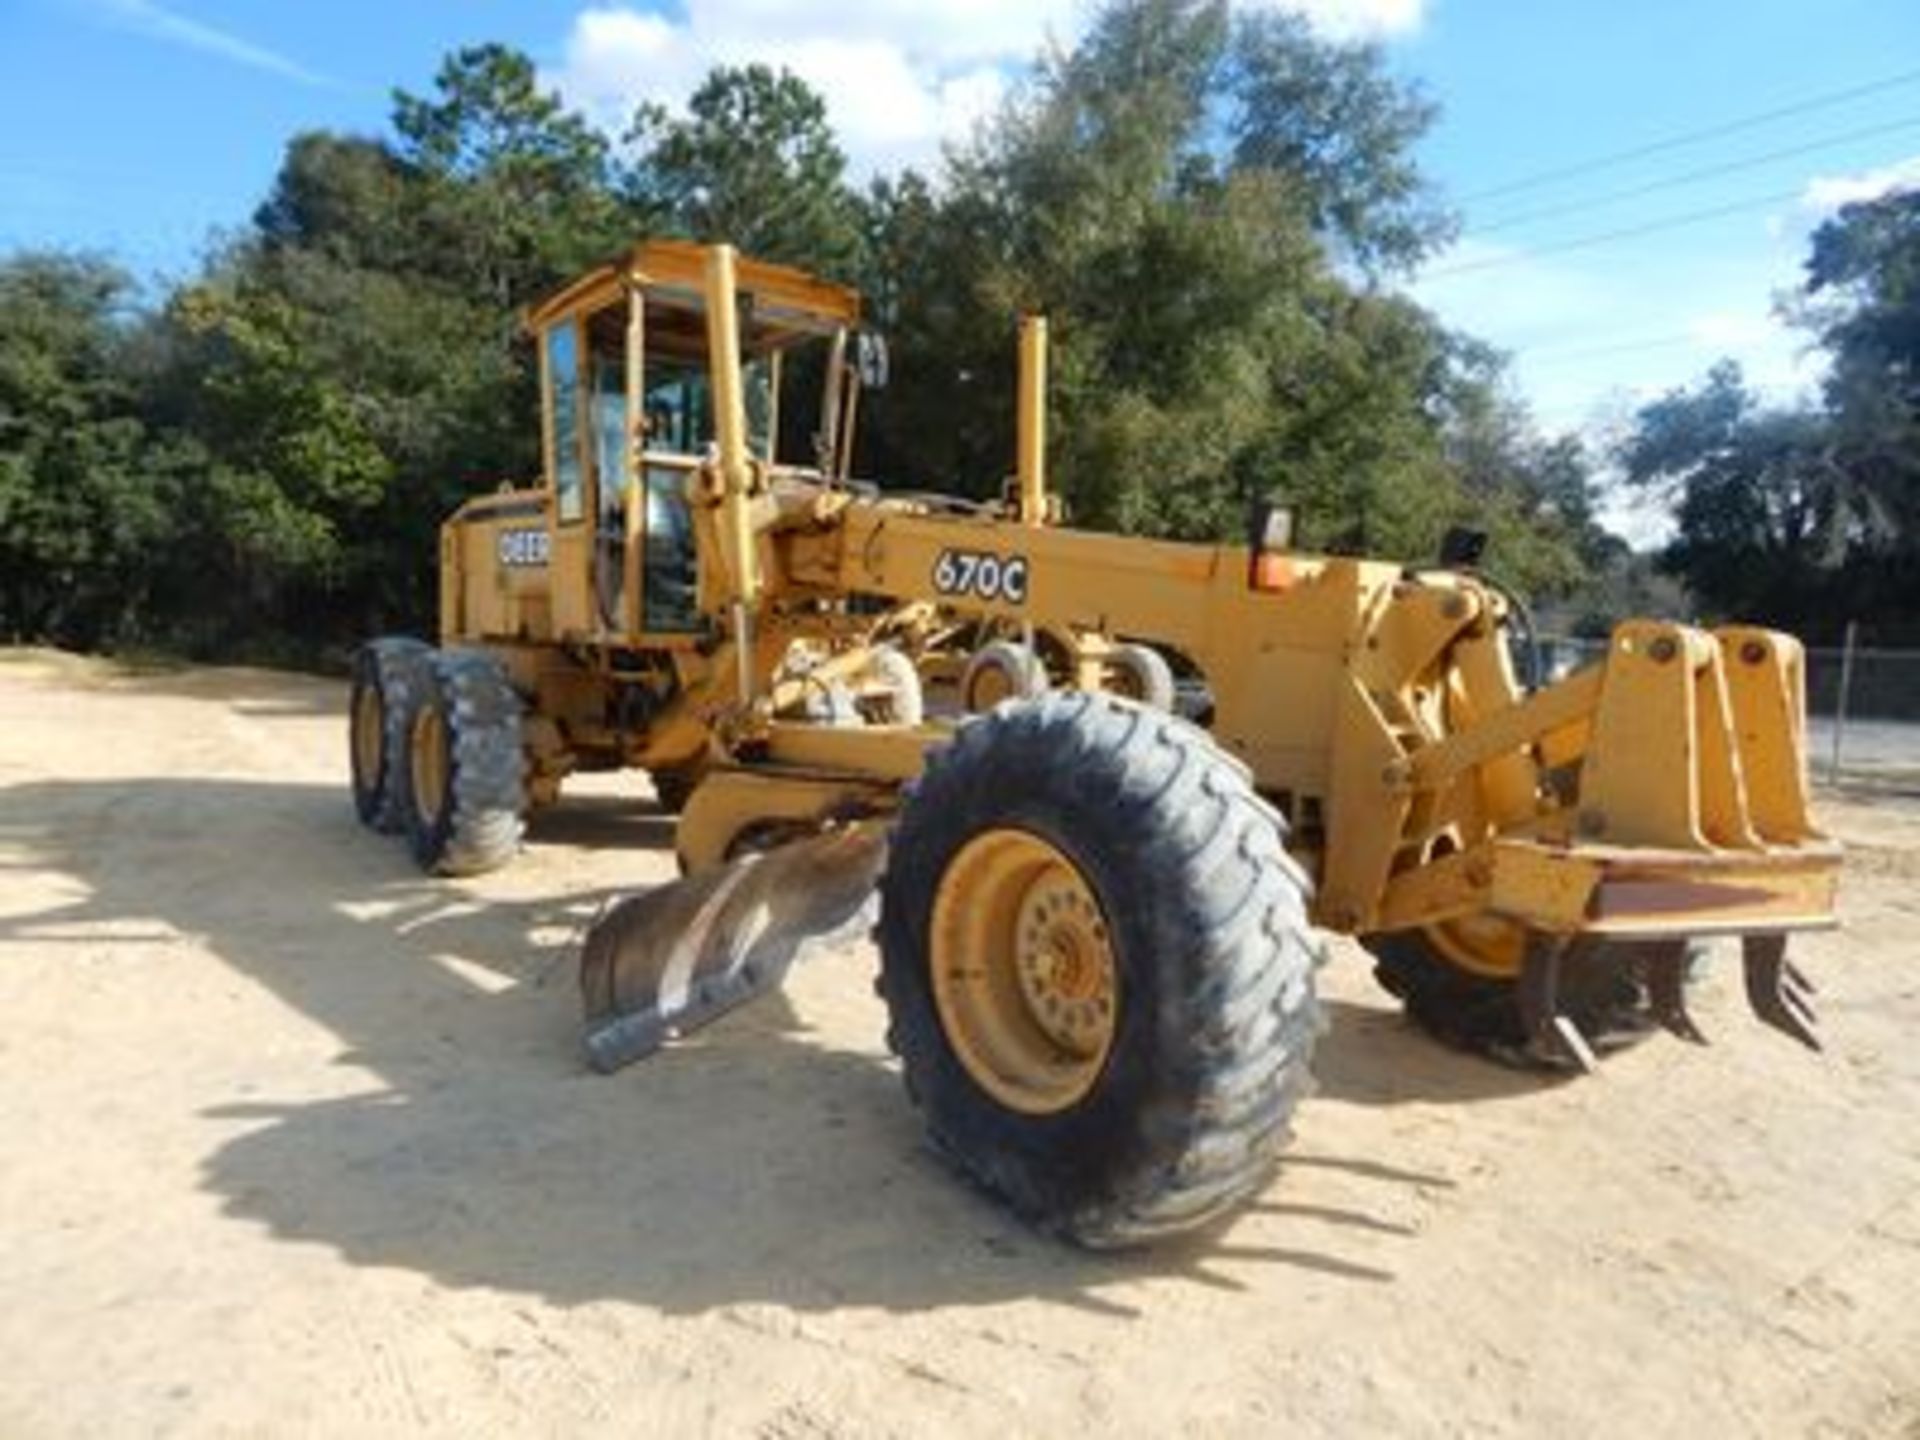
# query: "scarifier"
[1099,921]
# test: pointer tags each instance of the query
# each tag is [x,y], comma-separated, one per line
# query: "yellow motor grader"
[1098,921]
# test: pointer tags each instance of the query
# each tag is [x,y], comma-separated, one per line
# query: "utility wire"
[1583,242]
[1692,137]
[1690,177]
[1597,352]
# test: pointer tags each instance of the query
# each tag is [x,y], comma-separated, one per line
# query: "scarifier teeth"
[1573,1045]
[1779,994]
[1551,1035]
[1665,972]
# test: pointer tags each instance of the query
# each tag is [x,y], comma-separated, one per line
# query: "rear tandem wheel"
[376,727]
[464,778]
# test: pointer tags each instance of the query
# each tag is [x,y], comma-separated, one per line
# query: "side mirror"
[1462,547]
[871,360]
[1271,528]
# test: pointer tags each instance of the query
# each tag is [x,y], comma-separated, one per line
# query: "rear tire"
[1214,1009]
[465,771]
[376,726]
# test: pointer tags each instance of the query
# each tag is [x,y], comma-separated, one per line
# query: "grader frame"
[1472,832]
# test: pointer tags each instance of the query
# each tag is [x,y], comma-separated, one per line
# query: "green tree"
[1195,197]
[1175,193]
[1808,515]
[1863,289]
[753,162]
[1761,514]
[354,367]
[1330,116]
[516,191]
[87,493]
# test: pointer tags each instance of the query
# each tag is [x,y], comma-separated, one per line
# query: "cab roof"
[787,304]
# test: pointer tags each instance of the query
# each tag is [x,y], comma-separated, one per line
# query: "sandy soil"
[295,1141]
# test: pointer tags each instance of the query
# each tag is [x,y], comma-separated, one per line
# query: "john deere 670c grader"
[1098,921]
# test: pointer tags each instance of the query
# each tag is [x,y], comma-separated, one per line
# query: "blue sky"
[143,126]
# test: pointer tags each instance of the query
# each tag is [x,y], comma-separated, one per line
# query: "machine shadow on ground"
[1372,1055]
[755,1163]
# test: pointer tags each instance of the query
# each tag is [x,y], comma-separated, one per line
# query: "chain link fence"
[1863,709]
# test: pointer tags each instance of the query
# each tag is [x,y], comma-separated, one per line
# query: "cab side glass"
[563,386]
[670,578]
[679,408]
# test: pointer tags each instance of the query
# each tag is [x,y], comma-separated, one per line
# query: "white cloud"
[897,79]
[1349,19]
[1776,360]
[1732,329]
[1830,192]
[151,19]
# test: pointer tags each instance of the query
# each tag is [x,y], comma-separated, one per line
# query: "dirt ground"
[295,1141]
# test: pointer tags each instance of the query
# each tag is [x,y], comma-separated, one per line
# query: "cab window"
[679,408]
[670,576]
[610,457]
[563,420]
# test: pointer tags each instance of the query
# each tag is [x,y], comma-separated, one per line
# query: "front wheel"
[1098,968]
[1460,982]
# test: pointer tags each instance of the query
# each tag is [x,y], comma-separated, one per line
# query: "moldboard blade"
[661,964]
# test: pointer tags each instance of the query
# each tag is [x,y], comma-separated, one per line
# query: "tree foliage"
[1808,515]
[1175,193]
[86,490]
[1200,200]
[753,163]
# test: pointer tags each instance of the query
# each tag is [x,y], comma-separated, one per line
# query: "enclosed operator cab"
[589,588]
[603,554]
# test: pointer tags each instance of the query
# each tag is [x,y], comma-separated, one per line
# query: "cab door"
[611,448]
[675,431]
[562,385]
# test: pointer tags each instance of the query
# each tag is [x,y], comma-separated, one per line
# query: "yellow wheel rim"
[1483,945]
[366,736]
[1024,975]
[428,755]
[991,685]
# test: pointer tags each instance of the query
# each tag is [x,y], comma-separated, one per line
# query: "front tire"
[1118,855]
[465,771]
[1602,990]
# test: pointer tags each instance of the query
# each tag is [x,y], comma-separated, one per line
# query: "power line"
[1583,242]
[1690,177]
[1692,137]
[1599,352]
[1629,398]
